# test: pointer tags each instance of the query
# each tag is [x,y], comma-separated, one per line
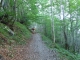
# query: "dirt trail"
[37,50]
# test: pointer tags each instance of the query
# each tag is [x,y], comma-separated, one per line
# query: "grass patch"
[21,34]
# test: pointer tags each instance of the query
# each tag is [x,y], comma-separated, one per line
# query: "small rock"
[1,57]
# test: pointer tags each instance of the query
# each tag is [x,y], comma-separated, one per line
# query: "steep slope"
[11,42]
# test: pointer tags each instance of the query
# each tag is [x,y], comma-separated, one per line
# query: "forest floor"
[34,50]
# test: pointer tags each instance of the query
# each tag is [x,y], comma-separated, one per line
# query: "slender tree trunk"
[76,35]
[52,22]
[1,3]
[71,28]
[64,28]
[15,12]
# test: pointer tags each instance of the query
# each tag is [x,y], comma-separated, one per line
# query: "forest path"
[37,50]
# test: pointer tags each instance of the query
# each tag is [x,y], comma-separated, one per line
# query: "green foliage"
[63,54]
[21,33]
[2,29]
[20,37]
[47,41]
[77,57]
[23,29]
[1,13]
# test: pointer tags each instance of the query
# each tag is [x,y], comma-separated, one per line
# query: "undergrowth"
[63,54]
[21,34]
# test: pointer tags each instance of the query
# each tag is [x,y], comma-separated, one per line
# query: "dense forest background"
[58,20]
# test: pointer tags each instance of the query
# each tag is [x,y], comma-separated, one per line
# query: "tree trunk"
[52,22]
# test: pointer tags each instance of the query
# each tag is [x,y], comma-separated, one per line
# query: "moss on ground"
[21,34]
